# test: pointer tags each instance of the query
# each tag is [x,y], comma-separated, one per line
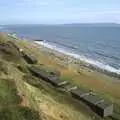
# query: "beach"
[95,45]
[80,60]
[49,101]
[79,73]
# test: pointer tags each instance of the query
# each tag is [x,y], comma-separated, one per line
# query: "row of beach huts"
[100,106]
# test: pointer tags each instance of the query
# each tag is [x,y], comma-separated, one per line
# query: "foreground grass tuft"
[3,68]
[10,108]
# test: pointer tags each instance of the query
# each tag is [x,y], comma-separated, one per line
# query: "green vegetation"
[10,100]
[23,68]
[18,113]
[8,93]
[33,81]
[57,94]
[10,108]
[3,38]
[9,52]
[51,102]
[3,68]
[116,115]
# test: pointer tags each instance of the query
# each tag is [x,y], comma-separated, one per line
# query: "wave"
[90,61]
[102,54]
[68,45]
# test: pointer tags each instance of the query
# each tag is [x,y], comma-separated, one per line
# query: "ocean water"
[96,45]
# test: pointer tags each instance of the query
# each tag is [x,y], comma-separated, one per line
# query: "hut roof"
[37,71]
[29,58]
[79,92]
[94,99]
[58,82]
[54,79]
[69,87]
[104,104]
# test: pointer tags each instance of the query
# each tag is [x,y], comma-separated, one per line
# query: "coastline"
[72,71]
[70,58]
[80,74]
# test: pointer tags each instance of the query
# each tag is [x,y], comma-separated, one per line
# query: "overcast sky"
[59,11]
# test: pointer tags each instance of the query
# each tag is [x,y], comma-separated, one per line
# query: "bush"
[29,114]
[33,81]
[22,68]
[19,113]
[8,93]
[10,108]
[5,114]
[3,68]
[9,52]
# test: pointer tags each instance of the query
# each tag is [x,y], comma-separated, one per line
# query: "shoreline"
[42,96]
[80,74]
[81,60]
[69,59]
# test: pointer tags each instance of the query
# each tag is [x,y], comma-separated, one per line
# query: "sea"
[98,45]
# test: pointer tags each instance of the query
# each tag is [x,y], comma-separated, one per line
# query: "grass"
[9,103]
[3,67]
[9,52]
[3,38]
[8,93]
[58,96]
[23,68]
[116,115]
[33,81]
[51,102]
[18,113]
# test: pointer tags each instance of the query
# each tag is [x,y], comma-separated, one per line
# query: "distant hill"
[94,24]
[70,24]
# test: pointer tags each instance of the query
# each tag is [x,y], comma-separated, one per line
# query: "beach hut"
[57,82]
[39,73]
[69,87]
[30,59]
[92,100]
[51,78]
[79,93]
[104,109]
[97,104]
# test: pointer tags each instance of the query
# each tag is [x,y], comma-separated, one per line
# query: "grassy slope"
[33,98]
[11,107]
[42,97]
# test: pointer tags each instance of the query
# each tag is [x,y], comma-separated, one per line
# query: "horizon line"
[61,23]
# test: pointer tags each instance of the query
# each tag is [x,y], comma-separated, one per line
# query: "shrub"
[8,93]
[19,113]
[22,68]
[3,68]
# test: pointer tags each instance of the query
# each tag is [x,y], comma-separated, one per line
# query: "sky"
[59,11]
